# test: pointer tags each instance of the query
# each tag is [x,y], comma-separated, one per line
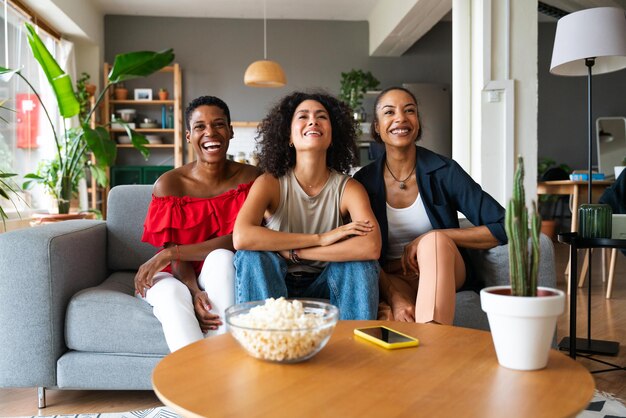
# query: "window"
[25,135]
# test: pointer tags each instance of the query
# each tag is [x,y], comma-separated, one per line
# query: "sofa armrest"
[41,268]
[492,266]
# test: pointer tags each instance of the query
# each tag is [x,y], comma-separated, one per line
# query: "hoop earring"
[291,145]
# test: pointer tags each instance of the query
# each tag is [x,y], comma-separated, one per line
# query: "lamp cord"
[264,29]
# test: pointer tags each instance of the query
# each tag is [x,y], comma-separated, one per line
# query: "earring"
[291,144]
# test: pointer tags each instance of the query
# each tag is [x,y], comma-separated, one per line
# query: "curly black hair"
[375,135]
[277,157]
[205,101]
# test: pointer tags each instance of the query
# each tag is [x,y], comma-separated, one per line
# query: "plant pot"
[163,95]
[548,228]
[90,89]
[120,93]
[522,328]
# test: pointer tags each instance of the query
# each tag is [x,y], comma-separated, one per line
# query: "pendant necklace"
[402,184]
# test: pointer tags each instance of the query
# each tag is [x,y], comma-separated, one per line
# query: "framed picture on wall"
[143,94]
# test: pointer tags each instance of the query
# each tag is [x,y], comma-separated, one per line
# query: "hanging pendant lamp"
[264,73]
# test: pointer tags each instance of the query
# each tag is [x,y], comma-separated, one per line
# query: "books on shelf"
[585,176]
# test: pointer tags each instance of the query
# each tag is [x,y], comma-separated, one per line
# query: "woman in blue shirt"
[415,195]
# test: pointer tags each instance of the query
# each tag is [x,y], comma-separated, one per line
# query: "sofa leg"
[41,397]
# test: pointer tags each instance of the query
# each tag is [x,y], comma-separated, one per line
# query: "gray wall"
[562,119]
[214,54]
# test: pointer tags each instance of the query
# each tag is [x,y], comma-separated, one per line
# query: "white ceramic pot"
[522,328]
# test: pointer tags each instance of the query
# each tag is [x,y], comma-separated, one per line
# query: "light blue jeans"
[350,285]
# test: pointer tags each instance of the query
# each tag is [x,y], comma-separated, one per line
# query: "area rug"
[602,405]
[160,412]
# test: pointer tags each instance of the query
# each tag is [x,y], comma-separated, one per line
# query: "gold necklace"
[402,182]
[311,186]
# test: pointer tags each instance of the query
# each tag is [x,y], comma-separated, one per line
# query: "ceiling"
[356,10]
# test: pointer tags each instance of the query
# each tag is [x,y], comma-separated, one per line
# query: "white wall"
[495,103]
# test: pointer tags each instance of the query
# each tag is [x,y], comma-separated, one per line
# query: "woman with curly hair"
[307,228]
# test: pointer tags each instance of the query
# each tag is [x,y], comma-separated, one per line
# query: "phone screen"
[385,335]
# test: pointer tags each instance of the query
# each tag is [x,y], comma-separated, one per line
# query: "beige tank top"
[298,212]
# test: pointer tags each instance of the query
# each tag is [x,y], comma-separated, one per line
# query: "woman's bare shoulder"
[171,183]
[246,173]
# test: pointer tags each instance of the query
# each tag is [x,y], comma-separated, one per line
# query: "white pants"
[173,305]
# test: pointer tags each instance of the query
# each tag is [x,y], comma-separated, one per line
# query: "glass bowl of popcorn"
[282,330]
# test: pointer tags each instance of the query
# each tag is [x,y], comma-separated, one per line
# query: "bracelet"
[294,257]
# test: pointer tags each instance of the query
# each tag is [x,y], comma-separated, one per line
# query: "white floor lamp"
[591,39]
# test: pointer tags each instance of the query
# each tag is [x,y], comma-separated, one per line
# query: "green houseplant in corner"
[73,145]
[354,85]
[522,316]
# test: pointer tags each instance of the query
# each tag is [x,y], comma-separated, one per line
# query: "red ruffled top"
[190,220]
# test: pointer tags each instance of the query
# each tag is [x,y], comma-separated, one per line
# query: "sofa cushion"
[109,319]
[127,208]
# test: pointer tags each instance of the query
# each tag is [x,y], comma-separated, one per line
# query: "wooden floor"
[608,323]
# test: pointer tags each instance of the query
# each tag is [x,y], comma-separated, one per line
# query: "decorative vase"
[522,327]
[121,93]
[163,95]
[594,220]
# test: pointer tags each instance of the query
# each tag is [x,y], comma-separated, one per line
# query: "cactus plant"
[523,264]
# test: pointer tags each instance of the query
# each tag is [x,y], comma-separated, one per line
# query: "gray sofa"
[68,315]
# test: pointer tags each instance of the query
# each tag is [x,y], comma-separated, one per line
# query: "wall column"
[494,85]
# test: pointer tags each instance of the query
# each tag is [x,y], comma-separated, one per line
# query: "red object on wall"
[27,120]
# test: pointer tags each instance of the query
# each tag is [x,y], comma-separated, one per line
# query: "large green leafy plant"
[74,145]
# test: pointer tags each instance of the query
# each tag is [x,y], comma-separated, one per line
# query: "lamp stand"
[581,344]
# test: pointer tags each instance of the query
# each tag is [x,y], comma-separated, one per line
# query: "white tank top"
[405,225]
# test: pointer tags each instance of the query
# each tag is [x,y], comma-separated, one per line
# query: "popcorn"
[281,330]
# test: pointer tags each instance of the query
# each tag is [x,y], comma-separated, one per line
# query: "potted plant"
[74,145]
[354,84]
[84,90]
[522,316]
[163,94]
[10,192]
[120,92]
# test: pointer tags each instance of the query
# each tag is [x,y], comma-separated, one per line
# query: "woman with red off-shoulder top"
[190,282]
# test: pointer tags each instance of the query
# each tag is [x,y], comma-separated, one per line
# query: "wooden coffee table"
[453,372]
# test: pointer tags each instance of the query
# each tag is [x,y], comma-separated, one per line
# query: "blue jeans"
[350,285]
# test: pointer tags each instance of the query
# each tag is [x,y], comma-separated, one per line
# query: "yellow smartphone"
[386,337]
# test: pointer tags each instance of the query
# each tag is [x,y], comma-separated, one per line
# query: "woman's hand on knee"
[146,272]
[403,309]
[202,307]
[409,258]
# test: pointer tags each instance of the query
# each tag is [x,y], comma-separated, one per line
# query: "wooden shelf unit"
[110,105]
[173,136]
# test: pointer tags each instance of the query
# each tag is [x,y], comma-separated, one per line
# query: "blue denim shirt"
[445,188]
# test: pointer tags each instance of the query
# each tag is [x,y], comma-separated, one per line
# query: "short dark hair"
[273,134]
[205,101]
[373,132]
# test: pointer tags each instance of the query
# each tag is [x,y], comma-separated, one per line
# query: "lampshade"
[598,33]
[264,73]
